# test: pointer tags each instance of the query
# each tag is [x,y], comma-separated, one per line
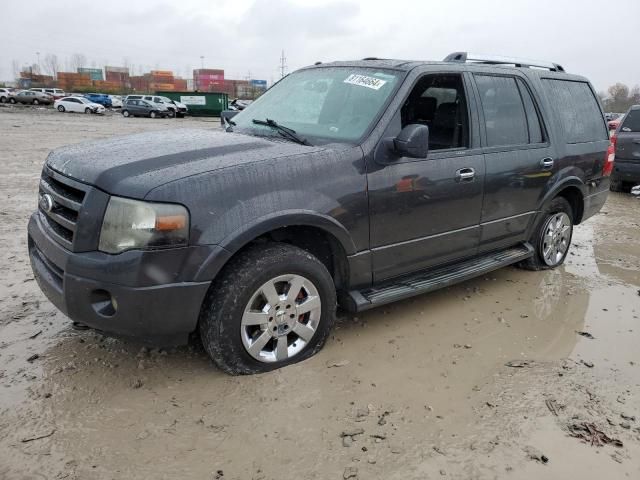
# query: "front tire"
[273,305]
[125,113]
[552,237]
[12,101]
[36,102]
[152,115]
[3,99]
[61,108]
[87,110]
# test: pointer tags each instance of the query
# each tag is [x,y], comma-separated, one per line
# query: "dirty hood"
[135,164]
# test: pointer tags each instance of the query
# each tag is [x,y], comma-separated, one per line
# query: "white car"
[116,101]
[77,104]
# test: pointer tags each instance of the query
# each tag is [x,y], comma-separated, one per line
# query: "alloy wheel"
[281,318]
[556,236]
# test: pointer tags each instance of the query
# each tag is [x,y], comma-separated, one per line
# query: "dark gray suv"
[627,144]
[354,183]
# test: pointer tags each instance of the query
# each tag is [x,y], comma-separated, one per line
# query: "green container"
[200,104]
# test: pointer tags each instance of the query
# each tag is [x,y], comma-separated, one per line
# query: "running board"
[428,281]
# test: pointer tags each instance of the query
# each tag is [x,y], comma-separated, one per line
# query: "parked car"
[6,94]
[362,183]
[142,108]
[175,108]
[56,93]
[32,97]
[116,101]
[627,146]
[99,98]
[77,104]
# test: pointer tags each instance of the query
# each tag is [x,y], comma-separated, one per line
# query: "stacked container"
[208,79]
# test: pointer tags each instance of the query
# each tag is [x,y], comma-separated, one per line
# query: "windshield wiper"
[286,132]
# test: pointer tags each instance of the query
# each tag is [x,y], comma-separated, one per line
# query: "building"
[94,73]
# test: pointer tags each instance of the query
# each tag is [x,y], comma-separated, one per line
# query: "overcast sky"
[245,37]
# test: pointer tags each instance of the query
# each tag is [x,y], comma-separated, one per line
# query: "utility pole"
[283,64]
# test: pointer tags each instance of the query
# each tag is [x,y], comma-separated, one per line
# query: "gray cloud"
[245,36]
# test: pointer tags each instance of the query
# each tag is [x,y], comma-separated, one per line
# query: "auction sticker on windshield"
[365,81]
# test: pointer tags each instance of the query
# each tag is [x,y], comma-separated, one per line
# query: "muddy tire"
[273,305]
[615,185]
[552,236]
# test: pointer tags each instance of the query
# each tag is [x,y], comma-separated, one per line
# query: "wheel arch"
[320,235]
[573,190]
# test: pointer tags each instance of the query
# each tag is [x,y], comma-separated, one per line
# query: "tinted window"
[533,120]
[578,109]
[504,115]
[631,121]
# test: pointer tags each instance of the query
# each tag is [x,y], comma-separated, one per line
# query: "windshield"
[330,104]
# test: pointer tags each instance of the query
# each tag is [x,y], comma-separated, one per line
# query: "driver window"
[439,102]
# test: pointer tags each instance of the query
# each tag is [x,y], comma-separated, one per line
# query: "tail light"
[610,158]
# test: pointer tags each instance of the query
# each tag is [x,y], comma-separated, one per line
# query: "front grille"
[68,197]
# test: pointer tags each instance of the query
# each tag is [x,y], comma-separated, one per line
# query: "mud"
[416,390]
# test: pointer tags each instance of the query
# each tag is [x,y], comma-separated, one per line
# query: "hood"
[133,165]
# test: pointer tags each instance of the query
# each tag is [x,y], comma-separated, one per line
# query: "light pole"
[38,63]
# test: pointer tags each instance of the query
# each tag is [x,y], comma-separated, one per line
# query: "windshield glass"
[331,104]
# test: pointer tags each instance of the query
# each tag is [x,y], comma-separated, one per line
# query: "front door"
[425,212]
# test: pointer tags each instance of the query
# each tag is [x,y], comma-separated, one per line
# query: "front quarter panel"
[231,206]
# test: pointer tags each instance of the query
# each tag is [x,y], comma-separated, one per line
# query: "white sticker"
[364,81]
[193,99]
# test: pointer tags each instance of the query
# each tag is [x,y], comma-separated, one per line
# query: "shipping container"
[94,73]
[202,104]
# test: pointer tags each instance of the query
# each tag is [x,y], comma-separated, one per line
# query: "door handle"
[465,174]
[546,163]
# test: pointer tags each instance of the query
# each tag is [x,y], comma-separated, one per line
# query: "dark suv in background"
[359,183]
[627,144]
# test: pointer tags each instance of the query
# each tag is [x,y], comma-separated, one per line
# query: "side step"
[427,281]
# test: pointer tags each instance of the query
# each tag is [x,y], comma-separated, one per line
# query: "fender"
[552,192]
[233,242]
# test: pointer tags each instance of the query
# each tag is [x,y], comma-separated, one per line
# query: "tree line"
[619,97]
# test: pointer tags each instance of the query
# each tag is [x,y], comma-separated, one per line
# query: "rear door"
[518,156]
[627,164]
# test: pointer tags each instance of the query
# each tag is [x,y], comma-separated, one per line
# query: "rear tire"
[615,185]
[241,294]
[12,101]
[61,108]
[3,99]
[552,236]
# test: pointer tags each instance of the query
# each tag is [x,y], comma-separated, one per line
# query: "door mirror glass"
[413,141]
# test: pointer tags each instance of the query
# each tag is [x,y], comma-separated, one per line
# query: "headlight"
[130,224]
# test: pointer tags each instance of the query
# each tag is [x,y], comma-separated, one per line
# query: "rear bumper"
[626,171]
[162,314]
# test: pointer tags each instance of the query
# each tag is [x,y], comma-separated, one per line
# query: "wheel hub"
[281,318]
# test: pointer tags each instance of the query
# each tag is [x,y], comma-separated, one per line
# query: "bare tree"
[51,65]
[78,60]
[15,67]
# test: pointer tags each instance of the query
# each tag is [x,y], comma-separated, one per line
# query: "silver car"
[33,98]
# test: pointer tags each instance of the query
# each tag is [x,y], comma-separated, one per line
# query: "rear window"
[631,122]
[578,109]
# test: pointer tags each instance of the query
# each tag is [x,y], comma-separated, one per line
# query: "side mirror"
[412,141]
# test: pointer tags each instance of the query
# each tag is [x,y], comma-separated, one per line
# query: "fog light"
[103,303]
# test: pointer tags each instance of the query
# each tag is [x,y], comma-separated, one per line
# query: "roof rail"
[464,57]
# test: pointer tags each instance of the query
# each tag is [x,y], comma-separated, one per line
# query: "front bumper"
[141,294]
[626,171]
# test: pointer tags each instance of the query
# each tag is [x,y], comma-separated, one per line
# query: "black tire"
[61,108]
[3,99]
[558,205]
[225,303]
[615,185]
[152,114]
[35,101]
[87,110]
[12,101]
[125,113]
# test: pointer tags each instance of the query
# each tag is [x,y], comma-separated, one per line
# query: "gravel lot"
[489,379]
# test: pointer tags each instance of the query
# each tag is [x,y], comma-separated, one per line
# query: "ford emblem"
[46,202]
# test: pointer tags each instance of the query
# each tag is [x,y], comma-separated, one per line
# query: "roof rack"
[464,57]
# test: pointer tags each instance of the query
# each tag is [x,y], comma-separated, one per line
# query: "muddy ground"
[487,379]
